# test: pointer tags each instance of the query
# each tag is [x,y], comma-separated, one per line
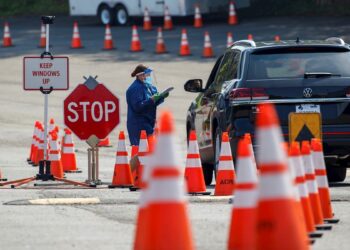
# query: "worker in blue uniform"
[142,98]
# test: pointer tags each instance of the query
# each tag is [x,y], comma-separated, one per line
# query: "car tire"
[336,174]
[105,15]
[121,15]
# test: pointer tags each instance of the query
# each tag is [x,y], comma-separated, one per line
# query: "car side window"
[228,68]
[213,72]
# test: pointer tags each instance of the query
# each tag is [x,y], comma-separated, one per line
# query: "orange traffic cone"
[229,42]
[278,225]
[69,161]
[42,43]
[207,50]
[226,176]
[36,143]
[294,154]
[243,218]
[197,17]
[32,146]
[277,38]
[105,143]
[39,155]
[51,125]
[292,165]
[248,137]
[160,46]
[147,24]
[142,153]
[232,17]
[168,225]
[142,217]
[122,176]
[135,41]
[194,172]
[168,23]
[250,37]
[7,41]
[311,183]
[108,42]
[76,42]
[55,156]
[321,178]
[184,47]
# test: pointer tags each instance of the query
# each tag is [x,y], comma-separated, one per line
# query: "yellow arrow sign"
[304,126]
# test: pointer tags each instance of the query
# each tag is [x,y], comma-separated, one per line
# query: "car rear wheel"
[121,15]
[105,15]
[336,174]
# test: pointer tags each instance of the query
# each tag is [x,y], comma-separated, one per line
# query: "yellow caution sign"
[304,126]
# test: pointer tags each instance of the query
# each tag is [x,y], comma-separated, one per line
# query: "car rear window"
[294,64]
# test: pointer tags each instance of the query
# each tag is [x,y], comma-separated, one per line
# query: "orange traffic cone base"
[226,178]
[195,181]
[241,241]
[123,173]
[161,220]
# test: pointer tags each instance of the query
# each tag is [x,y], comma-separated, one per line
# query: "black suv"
[294,75]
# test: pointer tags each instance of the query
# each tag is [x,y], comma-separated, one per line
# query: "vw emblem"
[307,92]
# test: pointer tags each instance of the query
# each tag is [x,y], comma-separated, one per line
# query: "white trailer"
[119,11]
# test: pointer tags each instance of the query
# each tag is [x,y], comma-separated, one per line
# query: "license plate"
[307,108]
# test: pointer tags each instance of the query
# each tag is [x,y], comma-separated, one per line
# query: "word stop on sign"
[91,112]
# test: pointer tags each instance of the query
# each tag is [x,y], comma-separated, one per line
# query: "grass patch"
[33,7]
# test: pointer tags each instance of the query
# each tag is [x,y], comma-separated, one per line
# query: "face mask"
[148,80]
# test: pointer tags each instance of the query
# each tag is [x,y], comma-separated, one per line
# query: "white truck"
[119,11]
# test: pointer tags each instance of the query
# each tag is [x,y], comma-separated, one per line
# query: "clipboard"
[168,90]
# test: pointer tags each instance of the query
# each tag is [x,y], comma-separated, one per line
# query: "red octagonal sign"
[91,109]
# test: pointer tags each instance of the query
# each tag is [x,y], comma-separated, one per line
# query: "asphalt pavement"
[111,223]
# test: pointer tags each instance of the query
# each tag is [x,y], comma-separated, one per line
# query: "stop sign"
[91,109]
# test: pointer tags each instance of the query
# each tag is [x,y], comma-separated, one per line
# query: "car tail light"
[259,94]
[348,92]
[240,94]
[247,94]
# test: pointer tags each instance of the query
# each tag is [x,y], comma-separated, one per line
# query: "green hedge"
[33,7]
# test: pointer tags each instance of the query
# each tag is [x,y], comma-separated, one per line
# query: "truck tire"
[105,14]
[336,174]
[121,16]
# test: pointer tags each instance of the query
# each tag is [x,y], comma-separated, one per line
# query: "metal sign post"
[43,74]
[93,161]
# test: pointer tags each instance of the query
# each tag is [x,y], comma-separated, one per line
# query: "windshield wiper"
[319,74]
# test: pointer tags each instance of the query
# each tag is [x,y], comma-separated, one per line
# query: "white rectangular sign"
[46,73]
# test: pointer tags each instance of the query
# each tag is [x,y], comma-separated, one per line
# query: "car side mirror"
[194,85]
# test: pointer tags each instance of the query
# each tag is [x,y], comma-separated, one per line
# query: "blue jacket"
[141,110]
